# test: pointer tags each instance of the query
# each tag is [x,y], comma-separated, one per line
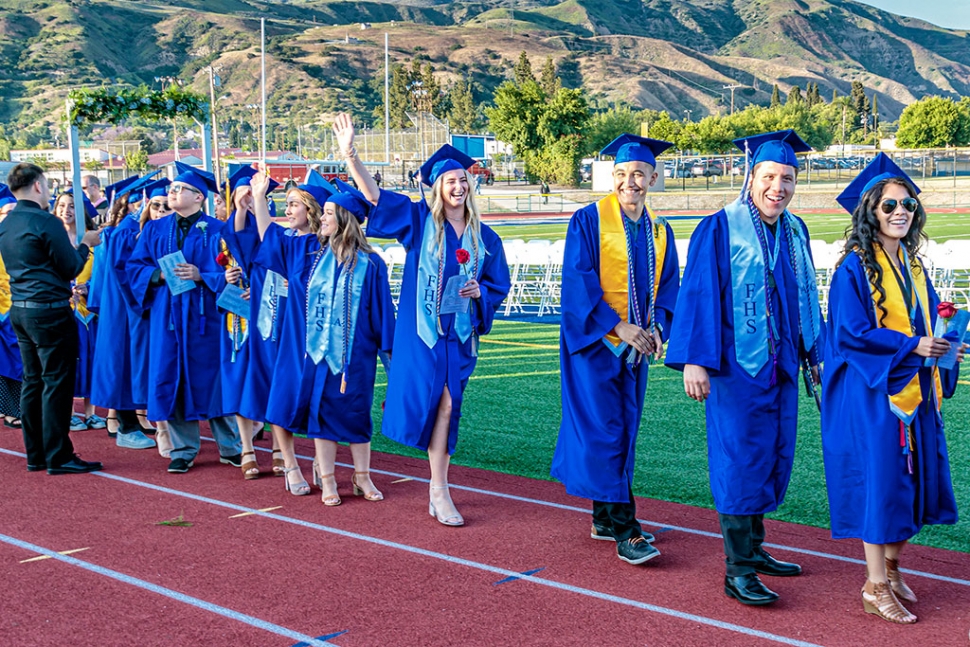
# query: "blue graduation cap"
[158,188]
[351,199]
[317,186]
[880,168]
[136,189]
[778,146]
[243,177]
[200,180]
[116,190]
[633,148]
[447,158]
[6,197]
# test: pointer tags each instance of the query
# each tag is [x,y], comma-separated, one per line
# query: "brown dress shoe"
[903,592]
[878,598]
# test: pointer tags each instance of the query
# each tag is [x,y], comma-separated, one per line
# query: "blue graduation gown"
[260,354]
[418,373]
[10,362]
[139,322]
[751,424]
[346,417]
[184,348]
[871,494]
[292,257]
[602,395]
[111,377]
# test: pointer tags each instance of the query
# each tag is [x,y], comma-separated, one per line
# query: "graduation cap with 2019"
[633,148]
[882,167]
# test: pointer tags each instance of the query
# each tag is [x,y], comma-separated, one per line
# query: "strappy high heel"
[372,495]
[453,520]
[298,489]
[878,598]
[332,499]
[896,582]
[249,465]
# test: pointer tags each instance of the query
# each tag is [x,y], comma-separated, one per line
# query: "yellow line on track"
[43,557]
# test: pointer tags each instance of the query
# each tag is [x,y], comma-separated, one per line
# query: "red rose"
[462,256]
[946,309]
[222,259]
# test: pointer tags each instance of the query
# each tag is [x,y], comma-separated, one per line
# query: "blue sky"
[953,14]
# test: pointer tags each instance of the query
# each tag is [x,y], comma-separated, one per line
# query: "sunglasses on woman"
[909,204]
[158,206]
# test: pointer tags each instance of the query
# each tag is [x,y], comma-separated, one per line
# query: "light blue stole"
[332,312]
[274,287]
[749,291]
[428,301]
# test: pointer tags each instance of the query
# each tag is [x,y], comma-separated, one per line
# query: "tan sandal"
[454,519]
[248,466]
[279,465]
[329,499]
[896,582]
[878,598]
[372,495]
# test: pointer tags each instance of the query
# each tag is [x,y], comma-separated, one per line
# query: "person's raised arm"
[343,130]
[259,184]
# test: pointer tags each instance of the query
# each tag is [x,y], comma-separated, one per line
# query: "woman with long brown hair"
[452,259]
[886,463]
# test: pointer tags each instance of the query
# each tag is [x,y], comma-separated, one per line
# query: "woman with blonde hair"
[455,278]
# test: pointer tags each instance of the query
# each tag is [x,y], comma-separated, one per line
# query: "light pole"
[254,108]
[687,112]
[215,81]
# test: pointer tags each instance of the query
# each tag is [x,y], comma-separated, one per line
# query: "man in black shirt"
[42,263]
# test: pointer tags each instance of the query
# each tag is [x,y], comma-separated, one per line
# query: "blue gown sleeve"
[382,320]
[695,337]
[586,317]
[494,283]
[668,288]
[884,358]
[96,284]
[396,216]
[243,244]
[122,244]
[140,267]
[213,275]
[271,252]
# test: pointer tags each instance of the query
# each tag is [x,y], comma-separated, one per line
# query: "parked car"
[673,169]
[705,168]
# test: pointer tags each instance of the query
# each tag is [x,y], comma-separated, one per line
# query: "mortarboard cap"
[202,181]
[317,186]
[447,158]
[244,175]
[779,146]
[135,191]
[880,168]
[351,199]
[114,191]
[632,148]
[157,189]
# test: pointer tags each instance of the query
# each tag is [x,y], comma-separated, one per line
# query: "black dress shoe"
[76,466]
[635,550]
[771,566]
[602,533]
[748,589]
[36,468]
[179,466]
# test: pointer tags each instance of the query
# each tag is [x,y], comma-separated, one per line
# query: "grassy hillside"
[659,54]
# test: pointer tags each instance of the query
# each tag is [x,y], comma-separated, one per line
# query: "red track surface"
[338,572]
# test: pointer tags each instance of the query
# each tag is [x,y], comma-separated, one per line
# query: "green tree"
[463,114]
[399,97]
[835,94]
[137,160]
[432,98]
[523,70]
[934,122]
[668,129]
[604,127]
[794,95]
[548,79]
[514,118]
[775,96]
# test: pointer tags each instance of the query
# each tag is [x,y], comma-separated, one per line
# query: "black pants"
[620,518]
[48,347]
[743,536]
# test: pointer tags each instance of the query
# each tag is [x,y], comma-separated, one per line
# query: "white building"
[59,155]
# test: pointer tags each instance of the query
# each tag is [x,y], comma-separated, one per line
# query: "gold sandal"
[878,598]
[896,582]
[330,500]
[372,495]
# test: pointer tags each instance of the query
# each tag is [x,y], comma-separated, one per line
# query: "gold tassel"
[343,382]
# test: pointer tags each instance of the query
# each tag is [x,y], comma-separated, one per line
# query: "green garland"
[114,105]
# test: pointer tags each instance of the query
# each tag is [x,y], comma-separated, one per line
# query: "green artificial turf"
[511,414]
